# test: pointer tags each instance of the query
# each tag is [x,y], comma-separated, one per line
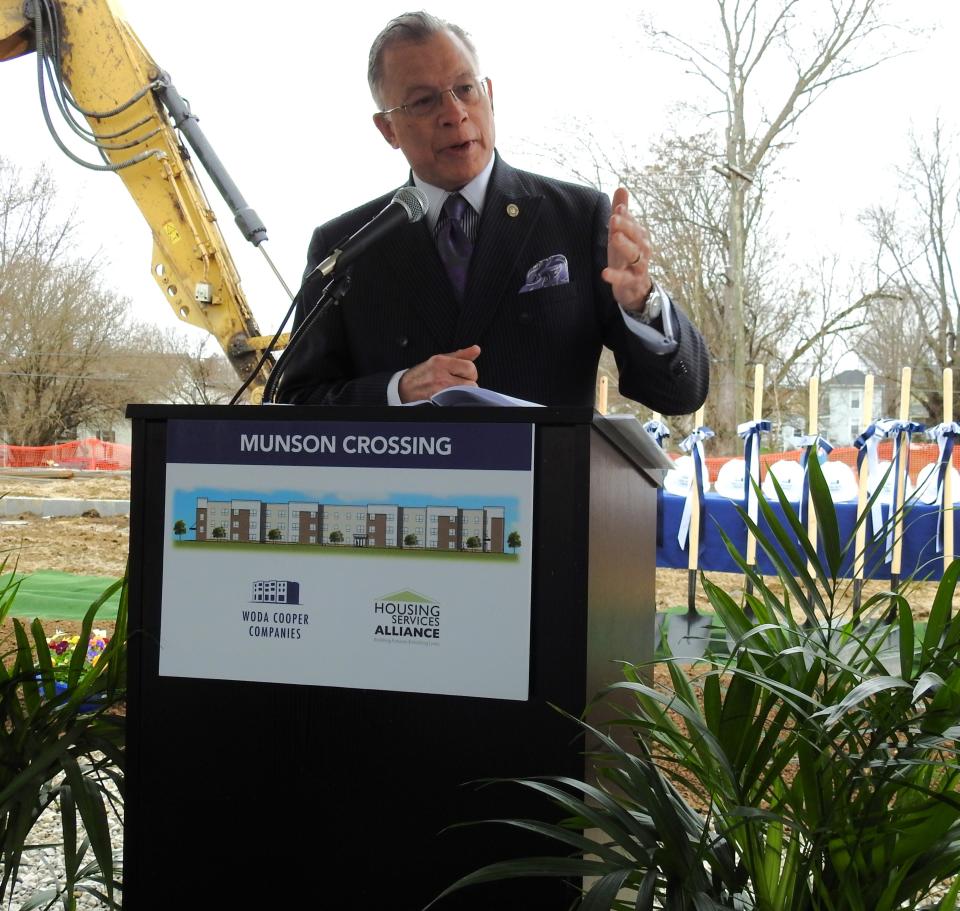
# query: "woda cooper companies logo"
[407,617]
[274,614]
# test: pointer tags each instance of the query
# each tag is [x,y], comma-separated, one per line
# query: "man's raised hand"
[628,256]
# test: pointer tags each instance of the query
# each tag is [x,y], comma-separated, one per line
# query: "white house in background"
[116,431]
[842,406]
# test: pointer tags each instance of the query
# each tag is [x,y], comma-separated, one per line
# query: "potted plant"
[61,745]
[805,771]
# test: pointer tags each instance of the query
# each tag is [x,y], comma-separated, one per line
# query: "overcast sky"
[283,99]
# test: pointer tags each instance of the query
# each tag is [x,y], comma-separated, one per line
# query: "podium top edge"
[490,415]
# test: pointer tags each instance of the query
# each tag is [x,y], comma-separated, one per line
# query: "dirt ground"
[84,487]
[86,545]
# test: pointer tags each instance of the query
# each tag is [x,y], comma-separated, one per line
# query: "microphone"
[407,206]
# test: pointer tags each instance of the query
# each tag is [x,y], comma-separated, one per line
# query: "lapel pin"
[513,210]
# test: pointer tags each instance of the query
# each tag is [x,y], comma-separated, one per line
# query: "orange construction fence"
[96,455]
[82,455]
[921,454]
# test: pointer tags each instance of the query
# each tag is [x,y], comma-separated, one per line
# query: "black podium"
[273,795]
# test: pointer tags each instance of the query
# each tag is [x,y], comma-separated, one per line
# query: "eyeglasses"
[426,104]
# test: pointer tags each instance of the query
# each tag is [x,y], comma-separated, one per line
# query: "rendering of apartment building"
[357,525]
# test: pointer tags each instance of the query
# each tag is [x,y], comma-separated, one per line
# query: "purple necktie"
[453,245]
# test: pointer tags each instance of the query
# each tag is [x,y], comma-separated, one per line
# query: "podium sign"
[377,555]
[378,669]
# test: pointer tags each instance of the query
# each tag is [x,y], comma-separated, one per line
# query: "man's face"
[452,146]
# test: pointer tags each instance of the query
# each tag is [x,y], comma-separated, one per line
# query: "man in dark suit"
[513,281]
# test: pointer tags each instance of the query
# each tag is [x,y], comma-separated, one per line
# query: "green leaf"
[68,822]
[925,682]
[826,513]
[532,867]
[939,614]
[905,616]
[859,694]
[789,536]
[93,813]
[44,661]
[26,670]
[603,892]
[712,704]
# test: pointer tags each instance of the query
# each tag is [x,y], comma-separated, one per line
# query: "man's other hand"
[628,256]
[439,372]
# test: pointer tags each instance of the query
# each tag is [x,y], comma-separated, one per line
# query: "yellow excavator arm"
[134,119]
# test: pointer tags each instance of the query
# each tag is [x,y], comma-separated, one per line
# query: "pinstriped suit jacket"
[542,345]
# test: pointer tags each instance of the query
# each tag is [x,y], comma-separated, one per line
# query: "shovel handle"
[866,416]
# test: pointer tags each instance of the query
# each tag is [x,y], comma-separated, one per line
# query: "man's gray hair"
[410,27]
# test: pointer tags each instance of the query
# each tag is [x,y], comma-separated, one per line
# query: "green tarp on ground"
[60,596]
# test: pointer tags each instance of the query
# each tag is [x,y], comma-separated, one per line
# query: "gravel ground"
[42,868]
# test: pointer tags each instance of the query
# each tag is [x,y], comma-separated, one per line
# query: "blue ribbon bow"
[901,431]
[658,430]
[750,432]
[808,444]
[694,445]
[945,436]
[867,445]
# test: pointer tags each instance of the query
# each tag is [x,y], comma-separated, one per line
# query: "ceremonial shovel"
[889,654]
[689,633]
[866,416]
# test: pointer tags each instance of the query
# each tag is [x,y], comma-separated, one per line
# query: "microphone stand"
[331,295]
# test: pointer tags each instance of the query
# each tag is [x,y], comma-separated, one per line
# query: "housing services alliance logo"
[407,617]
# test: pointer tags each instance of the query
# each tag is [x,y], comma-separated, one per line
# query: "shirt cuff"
[393,388]
[655,341]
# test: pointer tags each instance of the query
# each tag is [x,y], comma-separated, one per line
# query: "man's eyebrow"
[466,74]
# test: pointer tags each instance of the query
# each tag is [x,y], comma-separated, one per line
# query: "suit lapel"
[510,213]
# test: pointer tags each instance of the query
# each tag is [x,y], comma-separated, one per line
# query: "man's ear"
[490,92]
[383,124]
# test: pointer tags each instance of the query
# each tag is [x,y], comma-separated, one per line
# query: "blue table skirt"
[920,558]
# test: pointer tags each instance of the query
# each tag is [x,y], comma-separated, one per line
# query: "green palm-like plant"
[821,755]
[61,747]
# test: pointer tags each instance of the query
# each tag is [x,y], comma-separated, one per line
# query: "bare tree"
[913,239]
[188,370]
[791,319]
[64,359]
[756,41]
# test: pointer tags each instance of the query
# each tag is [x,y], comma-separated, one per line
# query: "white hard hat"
[677,481]
[841,480]
[927,483]
[886,474]
[789,476]
[730,479]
